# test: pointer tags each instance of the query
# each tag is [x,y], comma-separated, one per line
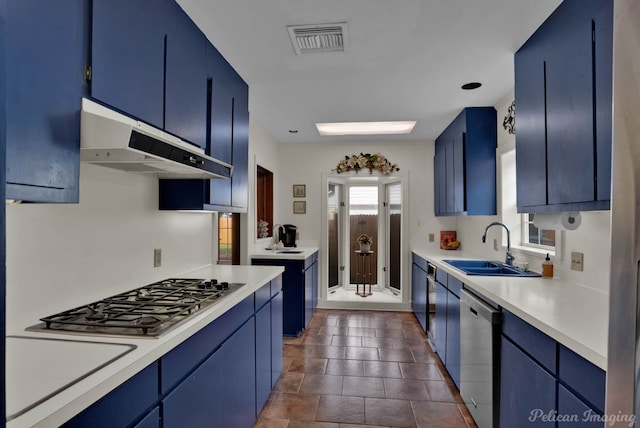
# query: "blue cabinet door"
[199,400]
[440,331]
[308,295]
[452,361]
[263,356]
[440,181]
[128,43]
[45,54]
[239,378]
[574,411]
[569,95]
[276,337]
[525,388]
[186,92]
[232,193]
[531,155]
[419,294]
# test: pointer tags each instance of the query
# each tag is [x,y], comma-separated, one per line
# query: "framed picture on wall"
[299,207]
[299,190]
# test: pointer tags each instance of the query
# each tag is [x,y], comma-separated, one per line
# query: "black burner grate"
[145,311]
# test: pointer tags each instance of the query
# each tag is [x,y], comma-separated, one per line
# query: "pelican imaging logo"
[552,416]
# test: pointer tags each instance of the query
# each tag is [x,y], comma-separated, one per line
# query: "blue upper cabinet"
[45,56]
[563,110]
[186,87]
[465,164]
[228,141]
[128,51]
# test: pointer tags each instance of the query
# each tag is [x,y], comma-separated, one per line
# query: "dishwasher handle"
[478,308]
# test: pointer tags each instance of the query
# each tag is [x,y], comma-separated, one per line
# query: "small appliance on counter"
[287,234]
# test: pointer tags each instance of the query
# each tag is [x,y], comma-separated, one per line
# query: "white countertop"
[304,253]
[51,361]
[574,315]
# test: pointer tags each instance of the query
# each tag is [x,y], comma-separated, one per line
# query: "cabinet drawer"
[454,285]
[441,277]
[276,285]
[533,341]
[586,379]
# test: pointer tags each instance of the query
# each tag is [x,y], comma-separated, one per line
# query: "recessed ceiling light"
[471,85]
[366,128]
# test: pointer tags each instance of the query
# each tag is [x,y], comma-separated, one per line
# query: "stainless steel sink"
[289,252]
[489,268]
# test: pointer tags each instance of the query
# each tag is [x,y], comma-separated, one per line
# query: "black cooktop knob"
[225,285]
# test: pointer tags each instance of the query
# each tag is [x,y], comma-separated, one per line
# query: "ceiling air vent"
[319,38]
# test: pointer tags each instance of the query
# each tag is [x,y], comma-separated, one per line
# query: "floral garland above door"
[375,162]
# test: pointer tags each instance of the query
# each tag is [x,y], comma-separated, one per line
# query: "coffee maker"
[287,234]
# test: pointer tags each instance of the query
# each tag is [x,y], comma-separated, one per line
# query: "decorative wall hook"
[509,122]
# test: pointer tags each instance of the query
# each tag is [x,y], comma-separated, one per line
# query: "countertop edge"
[594,323]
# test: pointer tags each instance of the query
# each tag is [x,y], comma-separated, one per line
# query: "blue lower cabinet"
[263,356]
[133,400]
[419,293]
[527,391]
[440,333]
[238,383]
[299,288]
[452,361]
[198,401]
[276,338]
[152,420]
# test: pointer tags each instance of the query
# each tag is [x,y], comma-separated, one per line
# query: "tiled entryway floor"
[363,369]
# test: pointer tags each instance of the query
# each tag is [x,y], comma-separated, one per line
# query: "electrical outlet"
[432,237]
[495,244]
[157,257]
[577,261]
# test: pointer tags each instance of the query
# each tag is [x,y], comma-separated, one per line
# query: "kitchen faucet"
[509,259]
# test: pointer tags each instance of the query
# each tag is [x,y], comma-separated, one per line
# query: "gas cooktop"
[148,311]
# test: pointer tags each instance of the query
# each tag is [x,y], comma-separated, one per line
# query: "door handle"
[473,311]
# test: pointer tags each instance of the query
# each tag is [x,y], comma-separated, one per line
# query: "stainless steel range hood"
[114,140]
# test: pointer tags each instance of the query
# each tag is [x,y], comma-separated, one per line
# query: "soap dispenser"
[547,268]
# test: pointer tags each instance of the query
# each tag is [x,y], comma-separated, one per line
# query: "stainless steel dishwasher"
[480,359]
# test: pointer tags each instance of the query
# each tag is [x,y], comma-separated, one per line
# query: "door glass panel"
[363,219]
[333,228]
[394,198]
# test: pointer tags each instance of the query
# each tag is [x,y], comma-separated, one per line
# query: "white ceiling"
[406,60]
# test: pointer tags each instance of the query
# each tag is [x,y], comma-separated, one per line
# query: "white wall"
[63,256]
[305,164]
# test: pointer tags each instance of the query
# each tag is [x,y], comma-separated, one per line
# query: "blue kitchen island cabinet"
[563,96]
[45,51]
[299,290]
[419,290]
[465,164]
[540,377]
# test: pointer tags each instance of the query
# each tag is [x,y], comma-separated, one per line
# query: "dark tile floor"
[356,369]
